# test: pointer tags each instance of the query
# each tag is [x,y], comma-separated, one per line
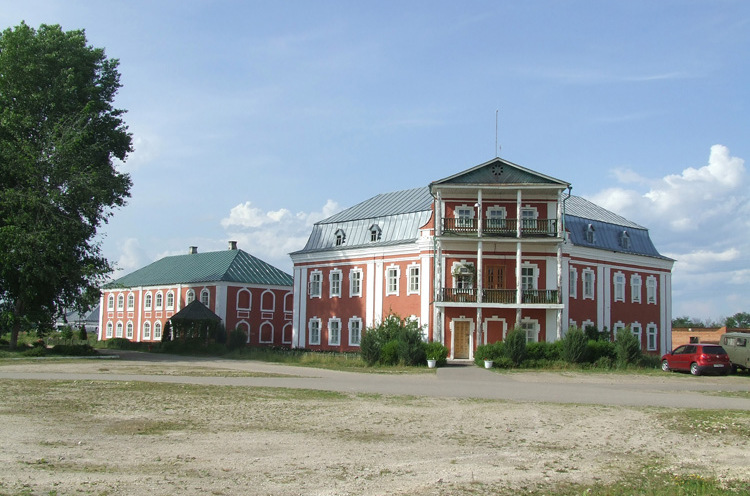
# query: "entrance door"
[494,277]
[461,331]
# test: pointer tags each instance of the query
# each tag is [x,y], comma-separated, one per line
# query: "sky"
[251,120]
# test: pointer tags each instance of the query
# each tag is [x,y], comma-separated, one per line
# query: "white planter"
[488,364]
[432,363]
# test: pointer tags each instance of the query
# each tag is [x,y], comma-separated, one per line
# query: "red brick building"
[245,292]
[472,256]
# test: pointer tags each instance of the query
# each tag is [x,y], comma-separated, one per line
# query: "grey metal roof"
[385,204]
[582,215]
[580,207]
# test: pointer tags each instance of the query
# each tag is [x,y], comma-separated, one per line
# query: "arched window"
[189,297]
[120,302]
[157,330]
[289,302]
[111,302]
[109,329]
[266,333]
[267,301]
[131,301]
[147,330]
[170,300]
[118,332]
[159,303]
[147,301]
[243,299]
[205,296]
[129,330]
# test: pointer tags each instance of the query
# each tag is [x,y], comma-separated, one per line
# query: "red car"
[697,358]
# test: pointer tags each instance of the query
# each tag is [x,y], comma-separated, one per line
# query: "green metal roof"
[226,266]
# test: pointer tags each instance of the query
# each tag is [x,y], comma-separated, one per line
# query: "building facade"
[245,292]
[474,255]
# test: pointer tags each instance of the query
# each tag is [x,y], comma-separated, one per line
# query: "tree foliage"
[59,138]
[740,320]
[393,341]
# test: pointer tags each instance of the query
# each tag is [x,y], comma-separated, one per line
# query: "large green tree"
[59,137]
[740,320]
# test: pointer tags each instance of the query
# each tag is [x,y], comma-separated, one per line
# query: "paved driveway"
[456,380]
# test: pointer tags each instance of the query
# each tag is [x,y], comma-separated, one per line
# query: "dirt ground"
[128,437]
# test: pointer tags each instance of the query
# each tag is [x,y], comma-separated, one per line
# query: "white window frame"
[189,296]
[636,284]
[206,295]
[375,233]
[573,283]
[118,329]
[129,330]
[531,328]
[413,284]
[268,301]
[147,330]
[340,237]
[170,300]
[652,337]
[637,331]
[334,331]
[110,329]
[260,332]
[529,216]
[392,279]
[533,278]
[355,282]
[651,290]
[464,215]
[157,330]
[148,301]
[120,302]
[618,325]
[315,285]
[589,284]
[496,217]
[111,302]
[618,282]
[249,300]
[590,234]
[159,301]
[355,331]
[335,279]
[314,331]
[131,302]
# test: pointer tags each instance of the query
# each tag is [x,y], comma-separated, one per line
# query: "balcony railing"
[501,227]
[502,296]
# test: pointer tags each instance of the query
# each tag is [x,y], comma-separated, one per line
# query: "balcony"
[498,296]
[507,228]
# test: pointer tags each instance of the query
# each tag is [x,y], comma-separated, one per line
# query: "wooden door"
[461,332]
[494,277]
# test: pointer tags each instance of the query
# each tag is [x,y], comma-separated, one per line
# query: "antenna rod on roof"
[497,147]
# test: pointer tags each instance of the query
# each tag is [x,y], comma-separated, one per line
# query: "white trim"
[337,322]
[310,340]
[409,278]
[260,332]
[315,284]
[389,291]
[334,289]
[356,271]
[357,320]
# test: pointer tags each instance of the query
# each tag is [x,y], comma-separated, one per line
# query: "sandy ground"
[127,438]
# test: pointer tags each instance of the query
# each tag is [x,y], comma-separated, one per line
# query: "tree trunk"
[17,312]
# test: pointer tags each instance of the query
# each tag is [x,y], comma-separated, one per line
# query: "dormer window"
[625,240]
[340,237]
[590,233]
[375,233]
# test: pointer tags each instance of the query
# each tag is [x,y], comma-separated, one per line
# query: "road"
[456,380]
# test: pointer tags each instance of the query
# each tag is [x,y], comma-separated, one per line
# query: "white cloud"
[132,257]
[699,217]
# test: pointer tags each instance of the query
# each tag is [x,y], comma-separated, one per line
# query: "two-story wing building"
[474,255]
[245,292]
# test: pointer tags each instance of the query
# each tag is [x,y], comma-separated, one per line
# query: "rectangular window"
[464,217]
[335,280]
[619,283]
[334,332]
[532,333]
[314,331]
[528,278]
[651,336]
[315,284]
[636,330]
[495,218]
[391,287]
[413,279]
[635,288]
[528,218]
[588,284]
[355,282]
[355,331]
[573,283]
[651,290]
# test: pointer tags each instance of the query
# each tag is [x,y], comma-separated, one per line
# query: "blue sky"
[252,120]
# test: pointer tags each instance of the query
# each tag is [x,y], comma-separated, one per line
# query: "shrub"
[515,345]
[574,346]
[237,339]
[627,347]
[369,347]
[82,334]
[436,351]
[408,350]
[66,333]
[72,350]
[491,351]
[544,351]
[597,350]
[389,353]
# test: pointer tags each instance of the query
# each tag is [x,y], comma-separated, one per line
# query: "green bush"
[503,363]
[237,339]
[574,346]
[82,334]
[627,347]
[515,346]
[408,350]
[122,344]
[598,349]
[544,351]
[436,351]
[72,350]
[491,351]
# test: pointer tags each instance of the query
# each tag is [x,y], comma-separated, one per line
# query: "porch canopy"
[196,320]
